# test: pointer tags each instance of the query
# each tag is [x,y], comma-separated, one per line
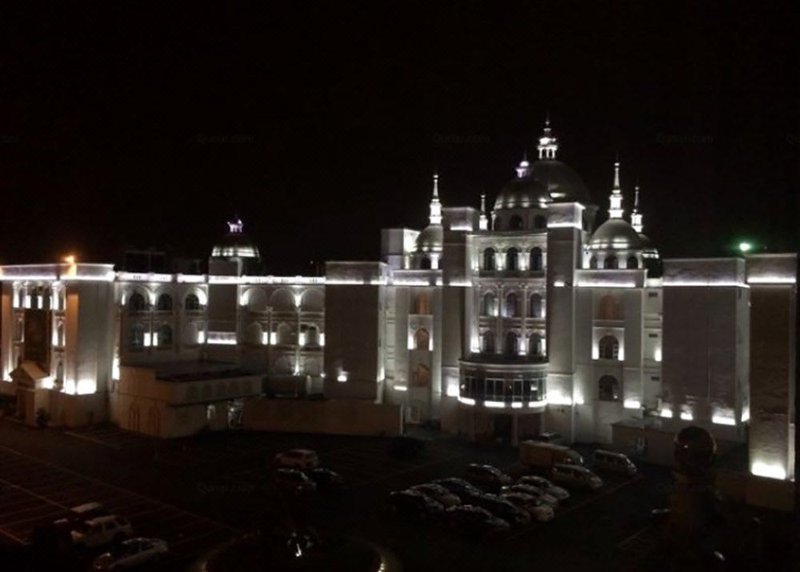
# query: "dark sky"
[122,126]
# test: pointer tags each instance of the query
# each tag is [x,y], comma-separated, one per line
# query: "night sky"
[124,127]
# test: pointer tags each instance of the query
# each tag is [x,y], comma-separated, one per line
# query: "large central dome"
[522,192]
[562,183]
[235,244]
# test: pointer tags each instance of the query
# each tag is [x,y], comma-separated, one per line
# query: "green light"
[745,247]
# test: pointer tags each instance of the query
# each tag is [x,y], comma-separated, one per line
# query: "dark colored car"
[406,447]
[326,479]
[487,477]
[475,521]
[458,487]
[550,437]
[502,508]
[294,481]
[415,505]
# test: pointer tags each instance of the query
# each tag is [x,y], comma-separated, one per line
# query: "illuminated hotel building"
[496,323]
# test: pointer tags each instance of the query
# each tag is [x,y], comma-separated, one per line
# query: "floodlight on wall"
[466,400]
[665,412]
[452,391]
[401,388]
[769,470]
[341,377]
[632,404]
[687,416]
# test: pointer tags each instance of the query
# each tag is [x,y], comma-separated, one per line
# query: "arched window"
[633,262]
[312,336]
[136,303]
[536,259]
[164,303]
[422,303]
[422,339]
[136,336]
[593,263]
[60,334]
[421,375]
[512,305]
[425,263]
[60,374]
[164,336]
[488,259]
[489,305]
[609,347]
[611,263]
[535,306]
[487,342]
[608,388]
[512,259]
[192,302]
[515,223]
[512,344]
[539,222]
[535,345]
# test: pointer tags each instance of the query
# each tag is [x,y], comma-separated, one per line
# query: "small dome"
[431,239]
[522,193]
[615,234]
[562,183]
[235,244]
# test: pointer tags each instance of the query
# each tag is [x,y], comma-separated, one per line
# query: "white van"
[575,476]
[615,462]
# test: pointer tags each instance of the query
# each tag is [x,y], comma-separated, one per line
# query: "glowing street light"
[745,247]
[70,259]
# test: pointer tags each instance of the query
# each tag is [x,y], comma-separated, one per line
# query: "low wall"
[756,491]
[78,410]
[337,417]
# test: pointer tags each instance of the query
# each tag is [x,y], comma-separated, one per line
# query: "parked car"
[533,491]
[575,476]
[325,479]
[100,531]
[414,504]
[437,493]
[458,487]
[133,552]
[80,514]
[501,508]
[613,462]
[304,459]
[560,493]
[294,481]
[539,511]
[550,437]
[475,521]
[406,447]
[487,477]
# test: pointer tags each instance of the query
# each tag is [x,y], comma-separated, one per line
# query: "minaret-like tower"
[615,209]
[483,221]
[523,170]
[548,144]
[636,216]
[436,206]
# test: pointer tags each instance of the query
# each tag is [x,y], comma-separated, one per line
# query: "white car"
[437,493]
[534,491]
[575,476]
[303,459]
[130,553]
[101,530]
[538,510]
[560,493]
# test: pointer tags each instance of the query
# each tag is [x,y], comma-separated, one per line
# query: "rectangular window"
[653,335]
[655,378]
[652,294]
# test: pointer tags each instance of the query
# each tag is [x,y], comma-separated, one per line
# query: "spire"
[636,217]
[548,145]
[436,206]
[615,209]
[524,167]
[483,222]
[235,226]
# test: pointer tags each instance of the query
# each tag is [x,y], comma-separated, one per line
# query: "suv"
[303,459]
[576,476]
[549,437]
[614,462]
[487,477]
[101,530]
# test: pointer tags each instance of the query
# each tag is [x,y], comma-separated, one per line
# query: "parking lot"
[33,492]
[193,491]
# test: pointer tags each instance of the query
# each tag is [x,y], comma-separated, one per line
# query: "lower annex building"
[494,323]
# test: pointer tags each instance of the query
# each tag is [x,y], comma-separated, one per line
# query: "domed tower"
[522,202]
[615,243]
[235,253]
[430,242]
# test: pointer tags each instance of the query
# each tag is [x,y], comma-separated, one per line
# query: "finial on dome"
[235,226]
[616,172]
[436,184]
[483,221]
[436,206]
[548,145]
[523,169]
